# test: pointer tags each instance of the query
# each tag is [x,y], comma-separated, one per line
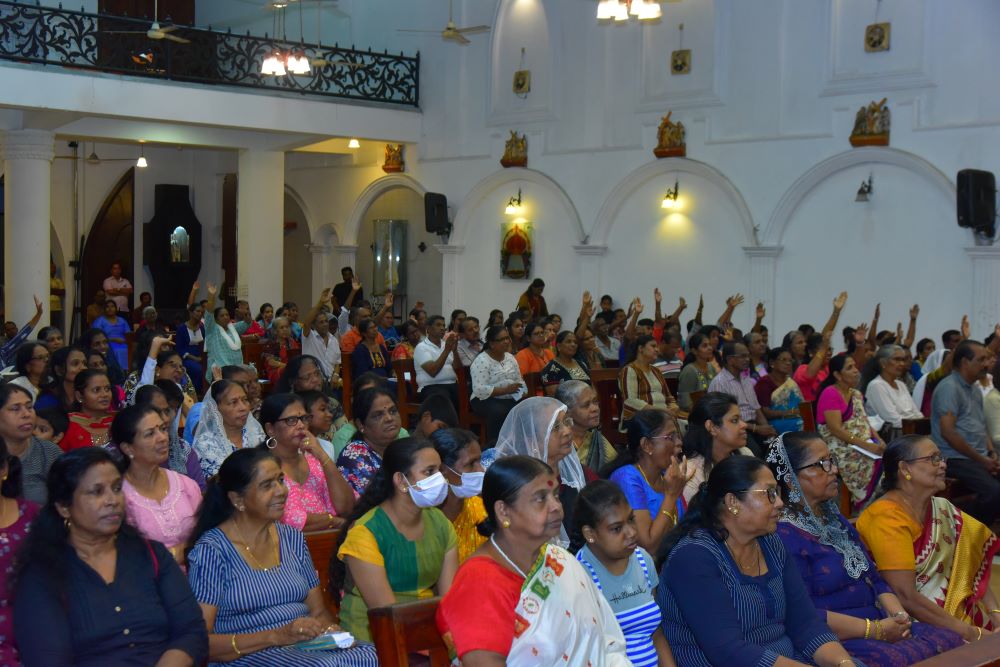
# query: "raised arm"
[324,300]
[727,314]
[213,292]
[676,315]
[586,312]
[701,308]
[386,306]
[758,321]
[831,323]
[657,299]
[819,358]
[873,329]
[193,293]
[636,309]
[33,322]
[911,330]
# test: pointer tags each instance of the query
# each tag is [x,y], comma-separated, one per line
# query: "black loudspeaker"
[977,200]
[436,213]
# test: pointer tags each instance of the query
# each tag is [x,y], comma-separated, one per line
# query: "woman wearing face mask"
[318,496]
[396,546]
[460,464]
[66,362]
[539,427]
[225,425]
[90,426]
[622,570]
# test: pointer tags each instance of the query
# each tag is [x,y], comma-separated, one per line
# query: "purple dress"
[832,589]
[11,538]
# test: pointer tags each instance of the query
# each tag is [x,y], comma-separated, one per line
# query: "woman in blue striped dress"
[621,569]
[253,576]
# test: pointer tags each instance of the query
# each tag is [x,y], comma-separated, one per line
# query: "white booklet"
[864,451]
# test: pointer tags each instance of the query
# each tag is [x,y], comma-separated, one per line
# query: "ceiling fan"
[156,31]
[453,32]
[93,158]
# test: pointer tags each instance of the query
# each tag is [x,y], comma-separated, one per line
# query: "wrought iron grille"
[30,33]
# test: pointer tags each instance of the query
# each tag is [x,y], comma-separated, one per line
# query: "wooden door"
[109,240]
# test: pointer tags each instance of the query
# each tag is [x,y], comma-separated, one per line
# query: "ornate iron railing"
[80,40]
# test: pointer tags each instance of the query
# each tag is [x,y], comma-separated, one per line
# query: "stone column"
[260,203]
[451,296]
[763,262]
[27,158]
[985,289]
[320,271]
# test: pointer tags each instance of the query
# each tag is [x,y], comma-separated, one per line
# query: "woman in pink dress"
[160,503]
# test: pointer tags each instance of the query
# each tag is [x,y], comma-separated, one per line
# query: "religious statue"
[670,138]
[515,153]
[871,125]
[393,159]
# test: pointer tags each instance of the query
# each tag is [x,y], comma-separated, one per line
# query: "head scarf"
[526,431]
[211,427]
[825,526]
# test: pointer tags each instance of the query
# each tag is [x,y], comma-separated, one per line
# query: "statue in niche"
[871,125]
[180,246]
[515,153]
[393,159]
[671,138]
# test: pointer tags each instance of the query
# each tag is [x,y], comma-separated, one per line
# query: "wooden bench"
[321,544]
[406,392]
[920,426]
[346,376]
[609,396]
[533,381]
[409,627]
[466,417]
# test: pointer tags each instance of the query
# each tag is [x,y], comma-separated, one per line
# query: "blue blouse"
[715,615]
[640,495]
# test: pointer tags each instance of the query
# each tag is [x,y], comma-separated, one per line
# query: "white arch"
[504,177]
[301,203]
[621,193]
[368,196]
[805,184]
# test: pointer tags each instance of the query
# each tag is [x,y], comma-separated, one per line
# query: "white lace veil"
[210,425]
[526,431]
[826,526]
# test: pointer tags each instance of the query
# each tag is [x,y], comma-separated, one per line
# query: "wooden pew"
[406,391]
[534,383]
[466,417]
[346,375]
[807,411]
[401,629]
[695,397]
[920,426]
[983,653]
[321,544]
[609,396]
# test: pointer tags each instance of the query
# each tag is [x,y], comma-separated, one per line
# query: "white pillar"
[341,256]
[589,276]
[985,289]
[27,158]
[320,270]
[450,257]
[763,265]
[260,204]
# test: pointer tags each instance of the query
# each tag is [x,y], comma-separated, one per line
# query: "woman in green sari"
[222,341]
[396,546]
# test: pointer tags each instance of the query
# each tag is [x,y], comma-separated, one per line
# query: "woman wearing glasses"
[935,557]
[317,492]
[540,428]
[496,381]
[652,475]
[378,422]
[729,592]
[839,574]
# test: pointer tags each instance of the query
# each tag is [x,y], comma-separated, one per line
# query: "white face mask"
[472,483]
[430,491]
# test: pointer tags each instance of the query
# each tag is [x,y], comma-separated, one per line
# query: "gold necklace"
[639,468]
[246,547]
[737,560]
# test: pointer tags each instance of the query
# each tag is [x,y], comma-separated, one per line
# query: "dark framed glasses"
[771,491]
[290,422]
[826,464]
[934,458]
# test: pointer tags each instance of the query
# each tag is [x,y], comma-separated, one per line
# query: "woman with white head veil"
[225,426]
[540,428]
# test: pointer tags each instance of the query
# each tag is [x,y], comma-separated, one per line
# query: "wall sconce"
[354,143]
[865,190]
[514,204]
[670,199]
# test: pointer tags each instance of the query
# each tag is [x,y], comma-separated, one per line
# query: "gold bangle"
[868,627]
[995,611]
[671,515]
[980,633]
[235,649]
[878,630]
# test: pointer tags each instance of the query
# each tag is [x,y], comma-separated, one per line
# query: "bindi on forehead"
[550,483]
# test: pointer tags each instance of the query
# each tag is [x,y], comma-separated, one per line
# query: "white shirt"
[327,352]
[425,352]
[111,283]
[892,405]
[487,373]
[609,351]
[467,351]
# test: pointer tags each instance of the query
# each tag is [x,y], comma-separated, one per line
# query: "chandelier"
[278,63]
[620,10]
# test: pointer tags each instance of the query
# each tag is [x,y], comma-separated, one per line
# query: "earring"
[908,476]
[67,523]
[505,523]
[734,510]
[271,442]
[591,541]
[241,508]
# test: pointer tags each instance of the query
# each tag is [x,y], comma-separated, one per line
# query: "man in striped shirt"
[731,380]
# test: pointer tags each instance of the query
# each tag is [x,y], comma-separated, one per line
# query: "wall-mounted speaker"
[976,205]
[436,214]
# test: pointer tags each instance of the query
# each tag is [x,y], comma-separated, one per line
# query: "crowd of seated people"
[618,490]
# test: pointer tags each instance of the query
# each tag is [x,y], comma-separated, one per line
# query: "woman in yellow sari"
[935,557]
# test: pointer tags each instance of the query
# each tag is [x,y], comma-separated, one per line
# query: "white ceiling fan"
[453,32]
[156,31]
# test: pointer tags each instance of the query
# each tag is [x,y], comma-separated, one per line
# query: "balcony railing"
[80,40]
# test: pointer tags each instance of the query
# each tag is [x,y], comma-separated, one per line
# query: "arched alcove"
[297,270]
[369,195]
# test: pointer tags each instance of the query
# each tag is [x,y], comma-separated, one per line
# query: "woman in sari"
[584,408]
[222,341]
[91,425]
[838,572]
[843,423]
[516,601]
[225,425]
[778,394]
[935,557]
[565,366]
[539,427]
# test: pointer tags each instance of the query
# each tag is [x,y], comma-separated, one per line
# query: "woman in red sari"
[90,426]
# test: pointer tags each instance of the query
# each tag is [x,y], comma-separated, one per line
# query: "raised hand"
[861,333]
[899,333]
[734,300]
[727,333]
[914,311]
[212,289]
[965,328]
[355,285]
[196,286]
[878,310]
[587,298]
[216,373]
[326,297]
[656,295]
[682,304]
[637,306]
[388,299]
[839,302]
[419,305]
[38,305]
[701,301]
[677,474]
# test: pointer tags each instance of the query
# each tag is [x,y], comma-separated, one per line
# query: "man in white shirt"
[607,345]
[117,288]
[469,345]
[435,361]
[318,341]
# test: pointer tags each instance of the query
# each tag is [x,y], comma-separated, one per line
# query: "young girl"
[89,427]
[622,570]
[51,425]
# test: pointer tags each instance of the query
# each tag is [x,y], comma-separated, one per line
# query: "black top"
[343,290]
[147,610]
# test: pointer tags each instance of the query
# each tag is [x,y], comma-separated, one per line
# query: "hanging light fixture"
[620,10]
[607,9]
[514,204]
[273,65]
[670,199]
[141,162]
[354,143]
[298,64]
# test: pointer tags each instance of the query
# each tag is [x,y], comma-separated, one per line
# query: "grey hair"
[569,392]
[885,353]
[146,312]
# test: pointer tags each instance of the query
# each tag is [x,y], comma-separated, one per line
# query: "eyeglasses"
[673,437]
[827,464]
[290,422]
[771,491]
[565,424]
[935,459]
[392,413]
[42,358]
